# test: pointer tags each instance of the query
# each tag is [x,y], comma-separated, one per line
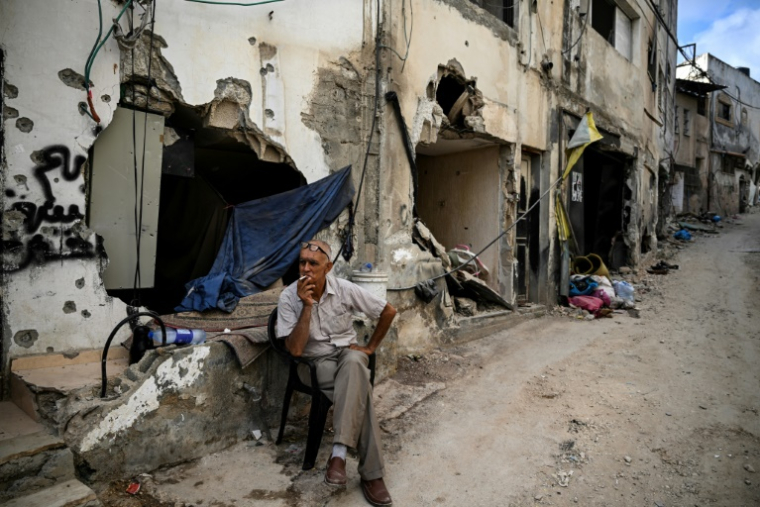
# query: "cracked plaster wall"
[277,51]
[522,103]
[175,405]
[48,248]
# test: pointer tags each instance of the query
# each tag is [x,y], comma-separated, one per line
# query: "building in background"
[688,185]
[728,168]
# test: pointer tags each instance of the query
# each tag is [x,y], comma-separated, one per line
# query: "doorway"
[743,194]
[527,247]
[595,205]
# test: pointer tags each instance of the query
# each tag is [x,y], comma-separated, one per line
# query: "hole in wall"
[450,89]
[204,172]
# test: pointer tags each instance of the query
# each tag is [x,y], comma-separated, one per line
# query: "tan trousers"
[344,378]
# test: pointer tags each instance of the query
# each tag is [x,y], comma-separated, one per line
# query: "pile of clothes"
[599,295]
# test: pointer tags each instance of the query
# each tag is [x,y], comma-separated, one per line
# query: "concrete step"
[32,462]
[14,422]
[482,325]
[66,494]
[38,381]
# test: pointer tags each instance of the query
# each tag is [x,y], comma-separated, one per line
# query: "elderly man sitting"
[315,320]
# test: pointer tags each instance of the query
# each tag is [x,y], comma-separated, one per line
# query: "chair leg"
[320,405]
[285,407]
[371,365]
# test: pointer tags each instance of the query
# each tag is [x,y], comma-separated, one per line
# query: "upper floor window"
[505,10]
[603,19]
[677,121]
[664,9]
[724,110]
[652,61]
[614,20]
[661,88]
[731,163]
[702,106]
[686,122]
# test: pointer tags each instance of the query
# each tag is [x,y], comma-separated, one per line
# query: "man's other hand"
[366,350]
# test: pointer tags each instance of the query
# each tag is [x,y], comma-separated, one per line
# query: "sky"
[728,29]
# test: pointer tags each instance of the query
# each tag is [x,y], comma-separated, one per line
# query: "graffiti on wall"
[37,234]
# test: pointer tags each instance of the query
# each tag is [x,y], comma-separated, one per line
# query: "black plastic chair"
[320,404]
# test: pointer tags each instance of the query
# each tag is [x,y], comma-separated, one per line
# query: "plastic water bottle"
[366,268]
[178,336]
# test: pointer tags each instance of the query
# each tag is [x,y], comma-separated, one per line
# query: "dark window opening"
[194,210]
[730,163]
[702,106]
[652,62]
[691,177]
[724,111]
[527,244]
[603,19]
[661,88]
[596,207]
[501,9]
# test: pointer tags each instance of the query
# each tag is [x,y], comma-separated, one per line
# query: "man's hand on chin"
[366,350]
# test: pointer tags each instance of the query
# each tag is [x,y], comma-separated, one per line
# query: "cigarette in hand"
[304,276]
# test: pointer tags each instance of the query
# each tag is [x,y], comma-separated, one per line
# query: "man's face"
[314,264]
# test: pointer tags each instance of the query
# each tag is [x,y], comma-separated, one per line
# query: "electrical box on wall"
[123,178]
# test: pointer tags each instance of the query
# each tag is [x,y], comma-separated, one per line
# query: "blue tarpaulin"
[263,240]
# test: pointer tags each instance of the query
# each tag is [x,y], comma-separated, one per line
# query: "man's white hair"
[324,245]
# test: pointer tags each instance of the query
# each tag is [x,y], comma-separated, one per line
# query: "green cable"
[108,34]
[233,3]
[100,34]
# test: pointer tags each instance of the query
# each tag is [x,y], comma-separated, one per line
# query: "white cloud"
[700,10]
[735,39]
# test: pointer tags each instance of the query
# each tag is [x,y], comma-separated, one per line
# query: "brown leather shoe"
[335,475]
[376,493]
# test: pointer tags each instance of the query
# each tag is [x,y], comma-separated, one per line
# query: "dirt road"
[661,410]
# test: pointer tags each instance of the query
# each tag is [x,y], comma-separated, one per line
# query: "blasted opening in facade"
[204,172]
[458,191]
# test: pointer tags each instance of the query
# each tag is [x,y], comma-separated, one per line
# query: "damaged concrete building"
[721,170]
[459,110]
